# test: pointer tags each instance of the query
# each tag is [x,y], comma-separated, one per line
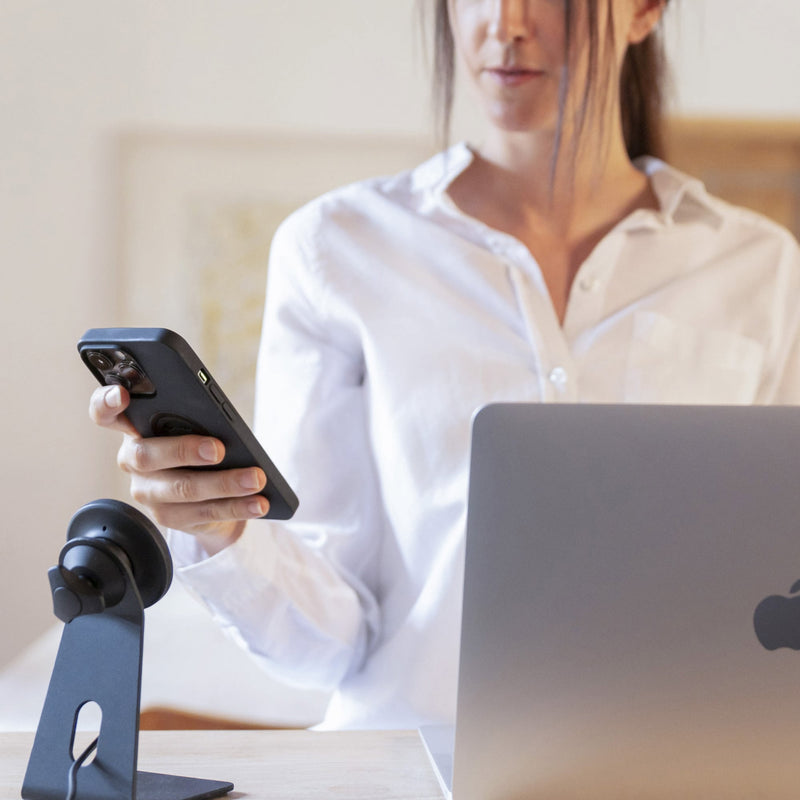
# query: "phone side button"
[228,411]
[216,393]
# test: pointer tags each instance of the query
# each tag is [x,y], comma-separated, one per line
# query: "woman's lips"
[513,76]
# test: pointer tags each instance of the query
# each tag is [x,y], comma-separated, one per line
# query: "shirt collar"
[681,198]
[432,178]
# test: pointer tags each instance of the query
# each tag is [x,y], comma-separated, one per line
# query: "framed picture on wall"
[197,213]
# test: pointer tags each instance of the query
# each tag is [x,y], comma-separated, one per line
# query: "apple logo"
[777,620]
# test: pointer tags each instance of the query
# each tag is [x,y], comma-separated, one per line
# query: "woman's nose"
[509,20]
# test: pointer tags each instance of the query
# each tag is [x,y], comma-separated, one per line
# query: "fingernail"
[113,397]
[208,451]
[250,480]
[256,508]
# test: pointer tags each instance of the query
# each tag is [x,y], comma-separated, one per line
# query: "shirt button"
[589,284]
[558,377]
[495,245]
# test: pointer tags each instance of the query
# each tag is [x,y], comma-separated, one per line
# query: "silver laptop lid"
[616,556]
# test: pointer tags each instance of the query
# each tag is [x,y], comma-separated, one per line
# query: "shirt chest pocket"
[672,362]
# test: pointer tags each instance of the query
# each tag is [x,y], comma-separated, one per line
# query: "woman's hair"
[642,80]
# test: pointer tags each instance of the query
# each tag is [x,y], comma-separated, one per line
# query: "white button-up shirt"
[391,317]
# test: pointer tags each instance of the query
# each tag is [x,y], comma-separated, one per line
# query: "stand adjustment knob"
[72,595]
[66,605]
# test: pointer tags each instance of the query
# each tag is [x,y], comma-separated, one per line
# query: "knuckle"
[125,455]
[139,456]
[184,452]
[229,485]
[184,489]
[122,462]
[138,493]
[211,512]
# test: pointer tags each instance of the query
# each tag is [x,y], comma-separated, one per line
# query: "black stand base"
[154,786]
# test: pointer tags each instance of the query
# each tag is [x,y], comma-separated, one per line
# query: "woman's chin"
[514,119]
[513,124]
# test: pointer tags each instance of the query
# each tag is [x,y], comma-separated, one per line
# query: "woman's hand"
[212,505]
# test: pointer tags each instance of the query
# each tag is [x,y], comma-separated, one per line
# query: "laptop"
[631,622]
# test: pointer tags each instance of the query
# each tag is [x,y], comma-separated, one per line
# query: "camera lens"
[125,375]
[112,378]
[129,375]
[99,360]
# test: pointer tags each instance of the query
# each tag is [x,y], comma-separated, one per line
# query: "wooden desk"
[272,765]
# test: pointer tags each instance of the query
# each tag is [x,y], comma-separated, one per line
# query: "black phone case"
[186,399]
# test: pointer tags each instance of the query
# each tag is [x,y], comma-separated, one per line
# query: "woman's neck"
[560,214]
[579,191]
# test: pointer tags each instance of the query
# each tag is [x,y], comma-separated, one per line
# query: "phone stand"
[115,564]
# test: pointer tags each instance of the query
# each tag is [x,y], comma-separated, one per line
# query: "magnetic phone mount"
[115,563]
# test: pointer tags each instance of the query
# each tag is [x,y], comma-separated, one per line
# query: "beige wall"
[77,75]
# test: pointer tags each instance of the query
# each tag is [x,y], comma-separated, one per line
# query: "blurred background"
[148,150]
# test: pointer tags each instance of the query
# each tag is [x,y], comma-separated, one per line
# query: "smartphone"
[173,393]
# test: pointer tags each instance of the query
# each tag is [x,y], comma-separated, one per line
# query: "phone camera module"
[114,366]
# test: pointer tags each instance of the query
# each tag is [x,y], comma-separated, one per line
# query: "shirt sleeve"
[300,595]
[783,379]
[788,389]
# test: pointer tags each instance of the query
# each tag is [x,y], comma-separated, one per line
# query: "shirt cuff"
[231,579]
[184,548]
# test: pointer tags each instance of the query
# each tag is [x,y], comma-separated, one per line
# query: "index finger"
[107,408]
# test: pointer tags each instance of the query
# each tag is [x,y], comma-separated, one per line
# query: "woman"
[543,266]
